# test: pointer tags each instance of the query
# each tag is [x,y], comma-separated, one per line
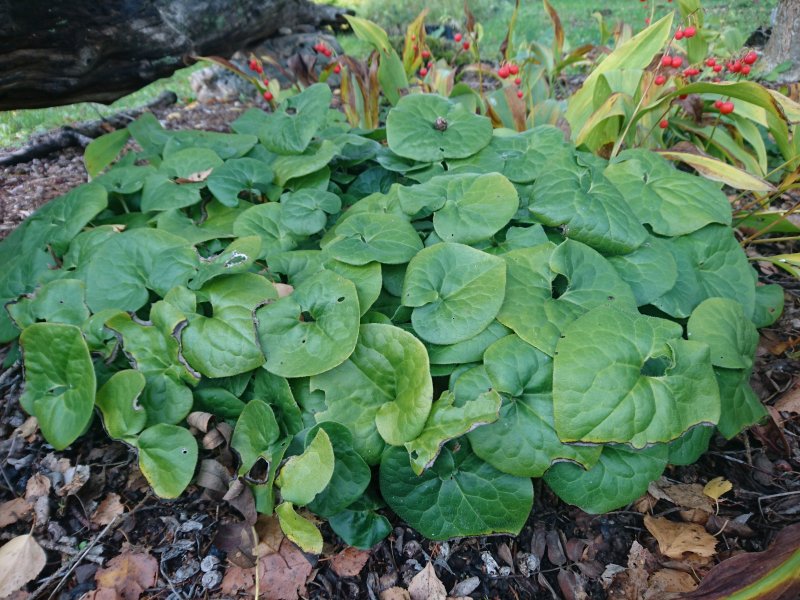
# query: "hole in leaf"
[560,285]
[235,259]
[184,451]
[58,390]
[655,366]
[259,472]
[340,299]
[306,317]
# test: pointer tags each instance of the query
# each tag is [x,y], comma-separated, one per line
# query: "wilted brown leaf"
[349,562]
[688,495]
[674,539]
[743,570]
[195,177]
[790,401]
[426,585]
[270,535]
[128,574]
[21,560]
[14,510]
[108,510]
[37,486]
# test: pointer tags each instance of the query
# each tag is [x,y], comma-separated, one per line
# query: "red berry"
[745,69]
[423,71]
[466,46]
[689,32]
[679,35]
[327,52]
[683,96]
[666,60]
[750,58]
[457,37]
[677,61]
[518,81]
[520,94]
[259,69]
[647,20]
[503,71]
[337,69]
[253,64]
[717,68]
[737,66]
[663,124]
[426,54]
[413,37]
[659,80]
[268,96]
[710,62]
[266,82]
[430,64]
[718,104]
[513,69]
[726,108]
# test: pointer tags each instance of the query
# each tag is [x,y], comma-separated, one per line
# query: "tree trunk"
[784,43]
[60,52]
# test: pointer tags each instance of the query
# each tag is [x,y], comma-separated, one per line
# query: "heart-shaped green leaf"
[236,258]
[456,292]
[59,381]
[366,237]
[314,158]
[167,458]
[127,265]
[550,286]
[360,528]
[430,128]
[710,264]
[383,392]
[589,207]
[306,211]
[225,343]
[722,324]
[671,202]
[650,270]
[627,378]
[311,330]
[306,475]
[619,477]
[740,405]
[117,400]
[470,350]
[224,145]
[290,128]
[266,221]
[459,496]
[240,176]
[60,301]
[523,440]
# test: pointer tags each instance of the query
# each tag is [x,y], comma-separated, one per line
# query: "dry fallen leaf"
[128,574]
[674,539]
[395,593]
[790,401]
[349,562]
[195,177]
[108,510]
[282,575]
[270,535]
[14,510]
[426,585]
[37,486]
[668,581]
[717,487]
[21,560]
[689,495]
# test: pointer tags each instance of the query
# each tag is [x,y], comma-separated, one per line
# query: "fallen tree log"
[54,53]
[80,134]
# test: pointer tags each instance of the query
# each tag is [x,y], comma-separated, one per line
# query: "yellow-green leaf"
[717,170]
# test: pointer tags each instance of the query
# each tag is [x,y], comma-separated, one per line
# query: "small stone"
[209,563]
[211,579]
[492,568]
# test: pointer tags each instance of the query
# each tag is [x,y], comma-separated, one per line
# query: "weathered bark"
[784,43]
[54,53]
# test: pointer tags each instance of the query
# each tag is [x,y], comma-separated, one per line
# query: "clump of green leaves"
[459,310]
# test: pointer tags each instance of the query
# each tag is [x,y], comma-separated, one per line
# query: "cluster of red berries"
[255,66]
[458,37]
[688,32]
[323,49]
[671,61]
[506,71]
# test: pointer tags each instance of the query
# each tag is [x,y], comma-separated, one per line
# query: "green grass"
[16,126]
[736,17]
